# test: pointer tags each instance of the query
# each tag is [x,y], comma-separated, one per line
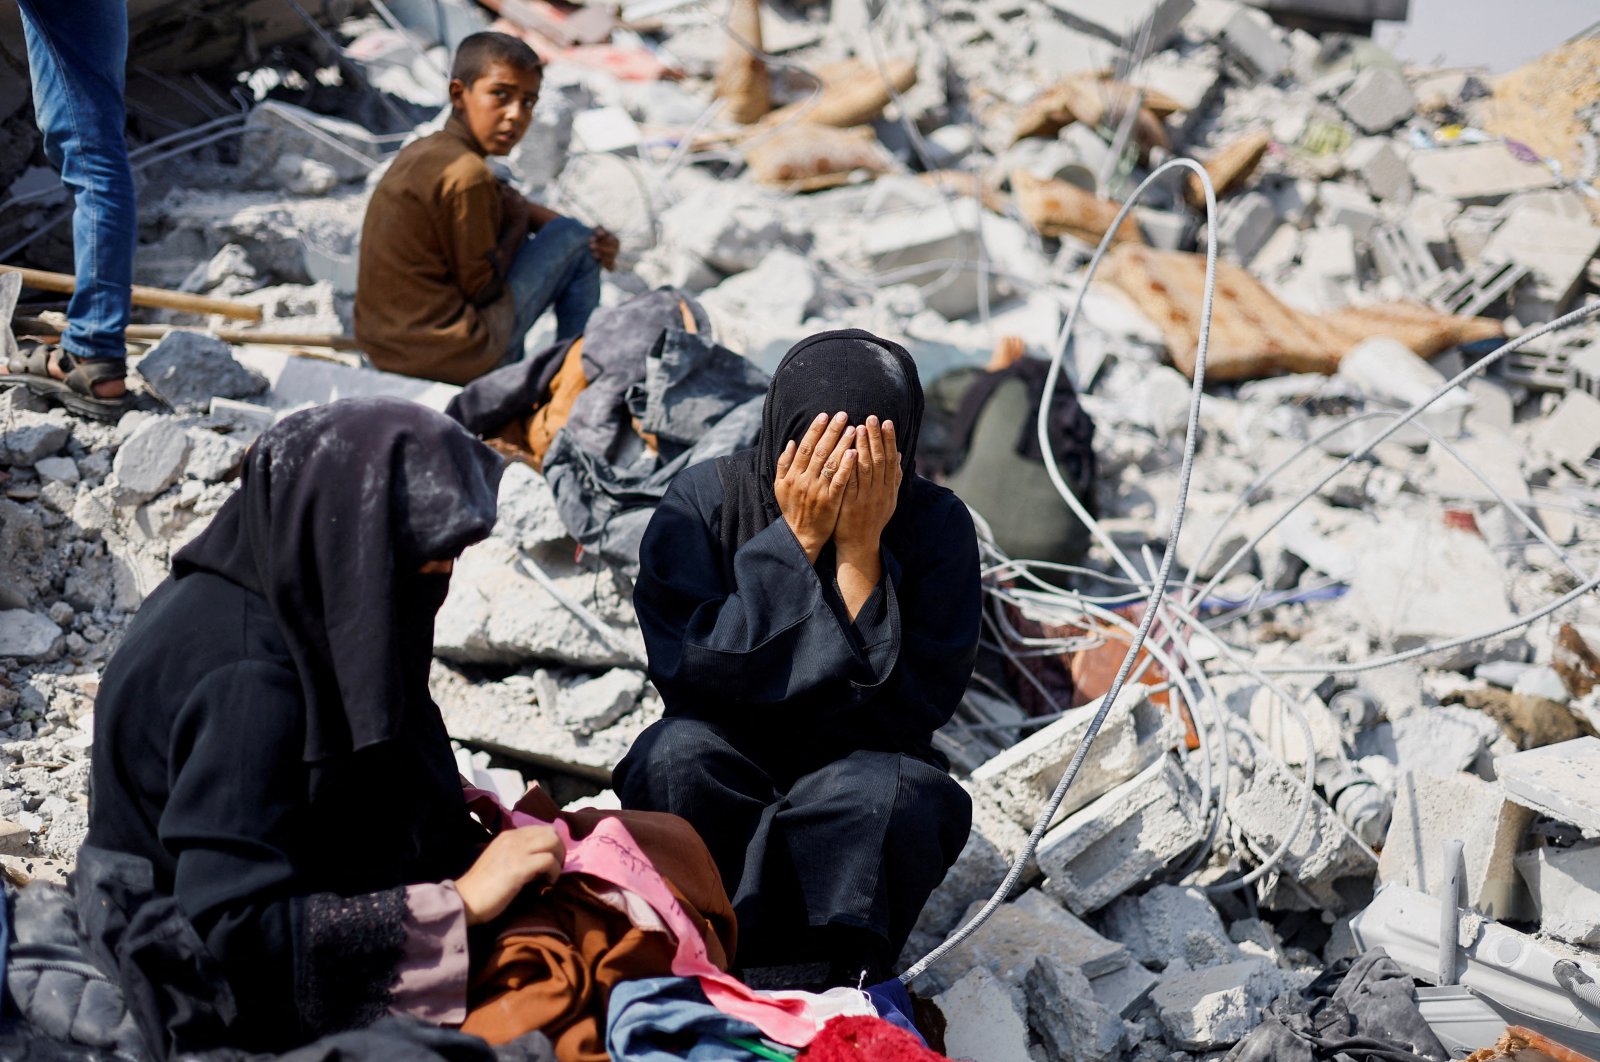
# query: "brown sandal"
[30,368]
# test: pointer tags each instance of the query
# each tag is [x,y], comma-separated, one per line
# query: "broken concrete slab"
[1377,99]
[497,615]
[1134,735]
[1324,868]
[276,129]
[1555,250]
[1169,924]
[1066,1017]
[1419,582]
[982,1020]
[188,369]
[1477,173]
[1022,930]
[1561,781]
[931,239]
[27,635]
[25,436]
[1565,884]
[1124,23]
[1245,225]
[1380,168]
[1571,434]
[1206,1009]
[1431,809]
[1122,839]
[151,460]
[1387,369]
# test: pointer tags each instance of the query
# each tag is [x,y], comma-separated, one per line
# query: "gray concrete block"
[1431,809]
[1134,735]
[57,469]
[1211,1008]
[1556,250]
[1379,167]
[1351,207]
[1377,99]
[25,436]
[1067,1019]
[1329,251]
[188,369]
[1018,933]
[1477,173]
[1324,867]
[1170,924]
[27,635]
[1122,23]
[1252,40]
[983,1020]
[1561,780]
[151,460]
[1124,991]
[1571,434]
[1565,884]
[1246,223]
[1122,839]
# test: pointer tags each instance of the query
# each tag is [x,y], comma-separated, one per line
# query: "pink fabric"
[435,965]
[610,854]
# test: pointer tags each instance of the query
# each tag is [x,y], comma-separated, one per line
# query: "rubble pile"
[1369,701]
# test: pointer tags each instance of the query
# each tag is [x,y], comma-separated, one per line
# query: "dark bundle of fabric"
[644,394]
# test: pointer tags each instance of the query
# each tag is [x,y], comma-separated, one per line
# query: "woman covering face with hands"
[811,612]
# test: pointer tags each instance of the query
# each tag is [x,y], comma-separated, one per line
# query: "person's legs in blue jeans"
[554,268]
[77,56]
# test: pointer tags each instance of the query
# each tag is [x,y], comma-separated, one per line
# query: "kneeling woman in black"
[278,843]
[811,612]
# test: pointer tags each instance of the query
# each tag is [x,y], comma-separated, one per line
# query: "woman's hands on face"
[873,490]
[813,479]
[512,861]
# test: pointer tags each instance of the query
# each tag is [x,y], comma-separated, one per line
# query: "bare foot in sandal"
[110,387]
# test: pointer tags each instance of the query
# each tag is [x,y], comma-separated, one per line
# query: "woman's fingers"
[833,434]
[875,440]
[842,480]
[809,442]
[786,459]
[835,459]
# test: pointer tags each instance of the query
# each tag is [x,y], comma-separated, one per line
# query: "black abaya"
[798,742]
[265,741]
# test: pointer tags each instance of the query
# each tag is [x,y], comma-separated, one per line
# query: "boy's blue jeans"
[554,268]
[77,58]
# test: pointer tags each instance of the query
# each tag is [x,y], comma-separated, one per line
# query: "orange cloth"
[559,954]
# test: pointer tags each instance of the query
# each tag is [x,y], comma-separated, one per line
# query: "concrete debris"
[1202,1010]
[941,176]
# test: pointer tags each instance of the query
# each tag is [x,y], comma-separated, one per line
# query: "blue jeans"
[554,268]
[77,55]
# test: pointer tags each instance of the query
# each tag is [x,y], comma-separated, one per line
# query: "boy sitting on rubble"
[456,266]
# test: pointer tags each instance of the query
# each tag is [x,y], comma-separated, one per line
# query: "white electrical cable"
[1168,557]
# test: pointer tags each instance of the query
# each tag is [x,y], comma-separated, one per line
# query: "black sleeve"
[780,632]
[300,965]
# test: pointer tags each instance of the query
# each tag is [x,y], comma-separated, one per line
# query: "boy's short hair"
[475,54]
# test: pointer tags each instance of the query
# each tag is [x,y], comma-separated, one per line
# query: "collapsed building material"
[1202,1010]
[1149,23]
[1431,809]
[1229,169]
[1121,839]
[1023,930]
[1510,972]
[804,157]
[1377,99]
[1253,333]
[1555,250]
[1477,173]
[1094,103]
[1134,734]
[1056,208]
[1561,781]
[1565,886]
[853,92]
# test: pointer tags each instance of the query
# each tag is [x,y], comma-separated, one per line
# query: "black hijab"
[337,508]
[847,369]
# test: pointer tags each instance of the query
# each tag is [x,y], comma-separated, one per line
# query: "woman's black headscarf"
[337,509]
[847,369]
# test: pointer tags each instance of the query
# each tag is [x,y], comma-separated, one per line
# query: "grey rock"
[58,469]
[527,517]
[589,704]
[188,369]
[151,460]
[1169,924]
[1064,1014]
[213,457]
[27,635]
[1217,1006]
[26,437]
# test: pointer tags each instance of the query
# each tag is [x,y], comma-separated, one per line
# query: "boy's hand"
[604,247]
